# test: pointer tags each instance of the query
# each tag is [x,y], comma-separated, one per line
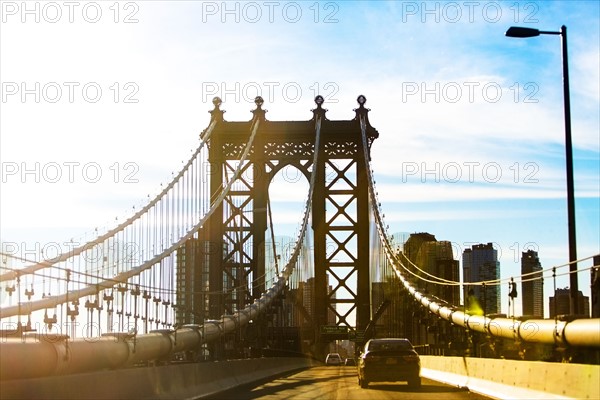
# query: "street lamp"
[520,32]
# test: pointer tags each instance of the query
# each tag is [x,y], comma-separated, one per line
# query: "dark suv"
[389,360]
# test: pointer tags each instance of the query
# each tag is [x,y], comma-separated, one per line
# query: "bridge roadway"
[341,383]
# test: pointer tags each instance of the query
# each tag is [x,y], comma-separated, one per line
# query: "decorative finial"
[361,110]
[259,112]
[216,113]
[319,111]
[361,100]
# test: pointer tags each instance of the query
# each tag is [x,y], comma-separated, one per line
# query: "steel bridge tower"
[340,214]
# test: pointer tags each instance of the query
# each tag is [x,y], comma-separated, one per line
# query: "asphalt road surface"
[341,383]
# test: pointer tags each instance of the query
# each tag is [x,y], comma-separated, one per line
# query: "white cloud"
[586,74]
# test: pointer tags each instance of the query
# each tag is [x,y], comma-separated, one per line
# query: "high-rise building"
[435,258]
[192,281]
[413,245]
[480,263]
[532,290]
[439,261]
[309,295]
[331,312]
[308,289]
[560,303]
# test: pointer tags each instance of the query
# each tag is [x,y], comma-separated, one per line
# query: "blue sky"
[471,144]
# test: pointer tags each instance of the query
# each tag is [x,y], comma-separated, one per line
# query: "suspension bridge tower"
[235,267]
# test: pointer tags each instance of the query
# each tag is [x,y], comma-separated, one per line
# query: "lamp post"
[520,32]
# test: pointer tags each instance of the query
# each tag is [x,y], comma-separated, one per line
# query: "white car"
[333,359]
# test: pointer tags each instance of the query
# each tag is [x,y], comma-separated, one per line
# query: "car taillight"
[411,358]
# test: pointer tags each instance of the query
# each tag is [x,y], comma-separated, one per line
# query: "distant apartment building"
[480,263]
[560,303]
[532,289]
[308,295]
[192,278]
[435,258]
[308,299]
[413,244]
